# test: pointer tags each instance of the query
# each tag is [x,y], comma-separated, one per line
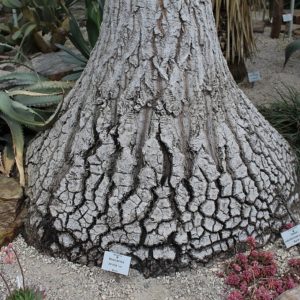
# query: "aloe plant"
[291,49]
[35,104]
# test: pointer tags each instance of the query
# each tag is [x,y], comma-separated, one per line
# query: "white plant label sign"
[19,282]
[116,263]
[291,237]
[254,76]
[287,17]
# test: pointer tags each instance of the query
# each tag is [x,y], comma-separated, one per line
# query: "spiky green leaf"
[8,159]
[73,76]
[71,57]
[50,86]
[17,35]
[93,22]
[50,121]
[4,28]
[30,98]
[291,49]
[28,29]
[26,111]
[19,112]
[18,145]
[19,79]
[77,39]
[12,3]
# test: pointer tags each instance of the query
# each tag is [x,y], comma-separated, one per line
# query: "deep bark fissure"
[165,159]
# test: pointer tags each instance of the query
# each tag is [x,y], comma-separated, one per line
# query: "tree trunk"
[157,153]
[277,18]
[238,69]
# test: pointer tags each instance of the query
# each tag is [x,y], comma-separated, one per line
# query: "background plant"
[84,46]
[284,114]
[36,19]
[10,256]
[28,100]
[254,275]
[234,25]
[290,49]
[31,100]
[287,4]
[27,294]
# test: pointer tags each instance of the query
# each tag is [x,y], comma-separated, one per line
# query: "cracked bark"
[157,153]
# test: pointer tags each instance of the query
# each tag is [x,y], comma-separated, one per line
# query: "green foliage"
[18,79]
[33,104]
[291,49]
[36,18]
[26,294]
[75,59]
[94,20]
[284,115]
[94,14]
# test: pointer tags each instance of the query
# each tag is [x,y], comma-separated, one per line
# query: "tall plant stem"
[5,282]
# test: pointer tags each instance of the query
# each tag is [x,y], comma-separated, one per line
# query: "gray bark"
[157,153]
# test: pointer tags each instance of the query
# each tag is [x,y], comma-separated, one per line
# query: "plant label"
[116,263]
[254,76]
[19,282]
[287,18]
[291,237]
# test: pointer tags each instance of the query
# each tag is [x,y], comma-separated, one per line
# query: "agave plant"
[290,49]
[34,104]
[94,15]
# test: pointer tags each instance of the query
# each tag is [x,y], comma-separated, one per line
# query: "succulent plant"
[290,49]
[26,294]
[33,20]
[94,15]
[33,104]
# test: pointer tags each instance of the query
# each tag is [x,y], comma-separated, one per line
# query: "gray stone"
[52,65]
[293,294]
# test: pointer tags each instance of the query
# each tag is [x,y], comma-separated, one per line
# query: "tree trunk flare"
[157,153]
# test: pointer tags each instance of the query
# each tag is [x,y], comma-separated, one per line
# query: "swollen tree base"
[157,154]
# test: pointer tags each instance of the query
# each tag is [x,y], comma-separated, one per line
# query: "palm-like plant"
[234,24]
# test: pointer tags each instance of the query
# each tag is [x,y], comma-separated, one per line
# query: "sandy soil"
[269,61]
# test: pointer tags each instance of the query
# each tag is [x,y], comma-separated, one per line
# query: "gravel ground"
[269,62]
[65,280]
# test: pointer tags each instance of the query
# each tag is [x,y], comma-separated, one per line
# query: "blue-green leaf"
[290,49]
